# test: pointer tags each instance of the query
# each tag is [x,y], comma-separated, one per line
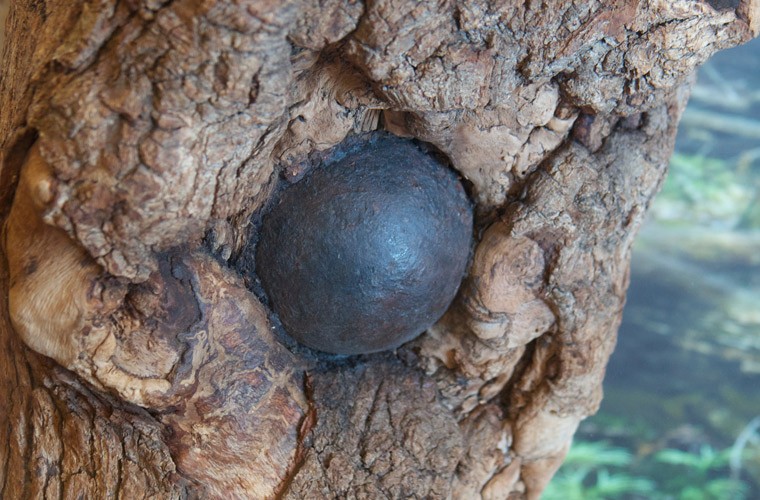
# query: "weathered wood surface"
[140,136]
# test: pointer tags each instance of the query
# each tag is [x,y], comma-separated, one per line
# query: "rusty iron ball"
[368,250]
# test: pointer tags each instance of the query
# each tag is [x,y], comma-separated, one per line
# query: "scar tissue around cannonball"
[367,251]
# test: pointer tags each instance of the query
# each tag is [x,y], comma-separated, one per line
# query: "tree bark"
[140,139]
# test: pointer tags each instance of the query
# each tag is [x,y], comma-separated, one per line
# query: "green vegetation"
[702,475]
[595,470]
[598,470]
[706,191]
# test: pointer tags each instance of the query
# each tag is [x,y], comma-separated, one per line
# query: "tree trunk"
[140,141]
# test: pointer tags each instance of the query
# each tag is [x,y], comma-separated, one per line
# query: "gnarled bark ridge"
[139,139]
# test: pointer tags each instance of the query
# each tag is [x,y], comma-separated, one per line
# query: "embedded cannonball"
[368,249]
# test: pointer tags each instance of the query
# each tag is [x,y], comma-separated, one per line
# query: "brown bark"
[138,138]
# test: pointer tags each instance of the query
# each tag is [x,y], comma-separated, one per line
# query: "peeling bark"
[139,141]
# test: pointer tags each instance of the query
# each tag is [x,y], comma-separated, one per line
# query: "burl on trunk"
[142,141]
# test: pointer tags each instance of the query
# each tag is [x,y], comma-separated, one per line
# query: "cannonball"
[368,249]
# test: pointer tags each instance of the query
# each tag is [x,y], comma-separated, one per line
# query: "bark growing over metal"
[138,141]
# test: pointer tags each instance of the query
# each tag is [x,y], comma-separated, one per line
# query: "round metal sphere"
[368,250]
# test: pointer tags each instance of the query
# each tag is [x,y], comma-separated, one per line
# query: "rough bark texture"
[140,137]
